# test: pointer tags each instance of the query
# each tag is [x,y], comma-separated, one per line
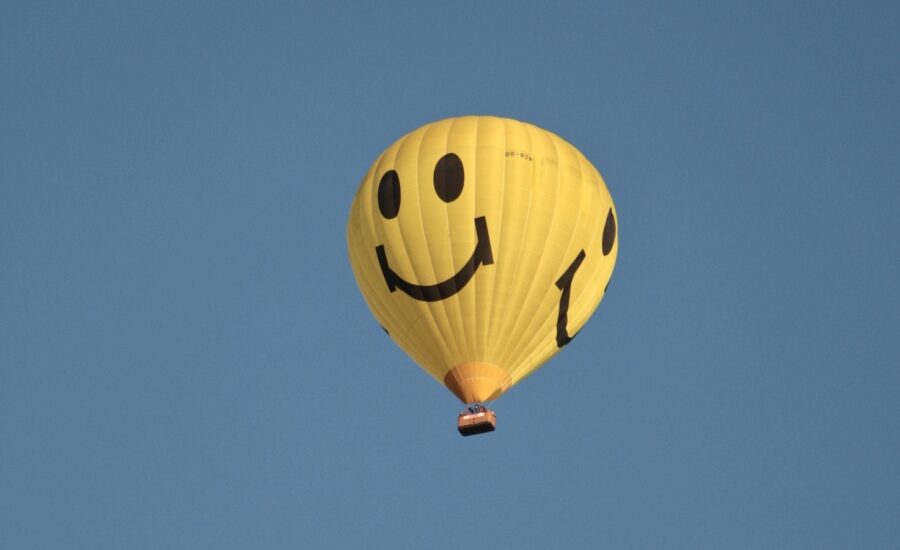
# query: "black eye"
[448,177]
[609,233]
[389,194]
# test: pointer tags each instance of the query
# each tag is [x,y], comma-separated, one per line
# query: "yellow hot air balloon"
[482,245]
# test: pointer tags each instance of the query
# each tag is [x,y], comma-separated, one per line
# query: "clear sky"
[186,362]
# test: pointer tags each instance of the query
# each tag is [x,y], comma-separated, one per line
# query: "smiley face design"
[449,179]
[500,237]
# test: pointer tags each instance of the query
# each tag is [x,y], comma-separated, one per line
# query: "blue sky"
[186,362]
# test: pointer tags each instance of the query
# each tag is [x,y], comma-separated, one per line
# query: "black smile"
[445,289]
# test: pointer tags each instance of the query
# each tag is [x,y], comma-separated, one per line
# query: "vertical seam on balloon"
[513,323]
[489,299]
[452,324]
[447,338]
[462,348]
[490,342]
[512,340]
[529,131]
[517,352]
[498,230]
[476,353]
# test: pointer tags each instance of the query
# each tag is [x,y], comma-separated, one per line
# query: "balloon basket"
[476,419]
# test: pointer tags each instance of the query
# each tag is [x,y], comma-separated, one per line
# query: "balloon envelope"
[482,245]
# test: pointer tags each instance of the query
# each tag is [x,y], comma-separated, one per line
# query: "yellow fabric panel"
[482,244]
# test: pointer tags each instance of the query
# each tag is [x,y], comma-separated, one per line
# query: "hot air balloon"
[482,245]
